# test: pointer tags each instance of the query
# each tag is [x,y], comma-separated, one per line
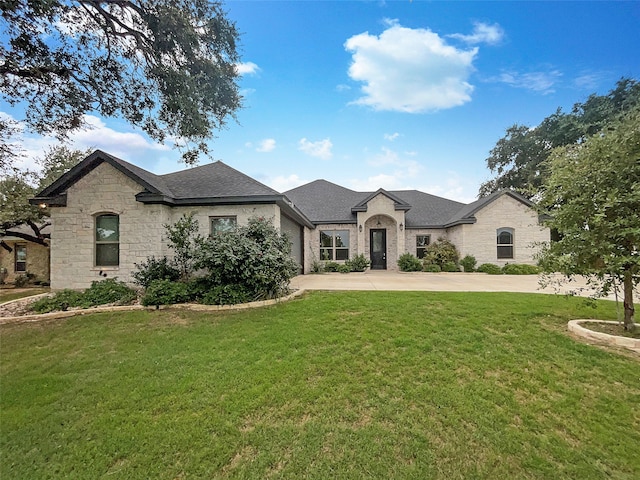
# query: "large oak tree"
[166,66]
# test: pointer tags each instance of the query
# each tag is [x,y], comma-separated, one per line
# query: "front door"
[378,248]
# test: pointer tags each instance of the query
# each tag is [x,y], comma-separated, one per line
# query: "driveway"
[441,282]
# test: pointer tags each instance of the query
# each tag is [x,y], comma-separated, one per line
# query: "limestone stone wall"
[142,233]
[479,239]
[37,261]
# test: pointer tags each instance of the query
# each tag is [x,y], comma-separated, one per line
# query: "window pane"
[222,224]
[326,254]
[107,228]
[505,251]
[342,238]
[342,254]
[107,254]
[420,252]
[326,239]
[505,238]
[422,240]
[21,253]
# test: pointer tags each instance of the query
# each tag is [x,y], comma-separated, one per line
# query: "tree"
[593,197]
[166,66]
[519,158]
[18,187]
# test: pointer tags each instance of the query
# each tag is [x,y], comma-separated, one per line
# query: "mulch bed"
[611,329]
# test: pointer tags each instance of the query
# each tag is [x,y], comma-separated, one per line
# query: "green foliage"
[593,198]
[469,263]
[21,280]
[519,158]
[155,269]
[431,267]
[520,269]
[317,266]
[359,263]
[256,257]
[440,253]
[99,293]
[344,268]
[184,240]
[409,263]
[490,268]
[330,266]
[169,69]
[450,267]
[166,292]
[226,295]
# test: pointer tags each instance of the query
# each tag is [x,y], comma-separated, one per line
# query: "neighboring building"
[108,214]
[20,256]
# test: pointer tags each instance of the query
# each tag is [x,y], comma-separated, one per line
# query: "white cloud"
[283,183]
[410,70]
[266,145]
[482,33]
[540,82]
[247,68]
[320,149]
[391,136]
[400,174]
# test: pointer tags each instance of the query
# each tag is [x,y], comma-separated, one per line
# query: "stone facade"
[105,190]
[37,261]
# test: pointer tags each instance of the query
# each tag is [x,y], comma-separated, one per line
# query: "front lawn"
[8,294]
[331,385]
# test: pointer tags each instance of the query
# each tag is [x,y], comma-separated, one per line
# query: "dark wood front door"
[378,248]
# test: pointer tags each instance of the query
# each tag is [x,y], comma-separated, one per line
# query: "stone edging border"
[576,328]
[182,306]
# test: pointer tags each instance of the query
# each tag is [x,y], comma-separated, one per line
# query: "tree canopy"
[593,196]
[519,158]
[168,67]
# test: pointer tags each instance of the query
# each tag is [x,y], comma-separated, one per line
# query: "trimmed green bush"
[440,252]
[431,267]
[344,268]
[358,263]
[450,267]
[155,269]
[409,263]
[61,301]
[490,268]
[331,266]
[166,292]
[226,295]
[520,269]
[469,263]
[99,293]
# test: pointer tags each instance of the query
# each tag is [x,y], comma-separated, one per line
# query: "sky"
[393,94]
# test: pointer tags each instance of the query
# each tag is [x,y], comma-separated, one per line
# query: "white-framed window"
[107,240]
[334,245]
[20,258]
[223,224]
[505,243]
[422,241]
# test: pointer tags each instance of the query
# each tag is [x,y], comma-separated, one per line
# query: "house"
[108,214]
[22,253]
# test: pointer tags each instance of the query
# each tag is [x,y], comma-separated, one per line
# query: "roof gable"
[399,203]
[466,213]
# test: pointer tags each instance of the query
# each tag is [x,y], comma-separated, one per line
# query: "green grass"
[6,295]
[331,385]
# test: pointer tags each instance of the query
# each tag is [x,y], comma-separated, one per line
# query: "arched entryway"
[380,238]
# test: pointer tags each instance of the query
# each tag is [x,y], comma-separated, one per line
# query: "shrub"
[60,301]
[184,240]
[450,267]
[469,263]
[331,266]
[344,268]
[440,252]
[317,267]
[520,269]
[226,295]
[409,263]
[431,267]
[106,291]
[256,256]
[21,281]
[358,263]
[490,268]
[166,292]
[155,269]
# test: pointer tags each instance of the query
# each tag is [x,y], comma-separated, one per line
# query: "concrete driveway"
[441,282]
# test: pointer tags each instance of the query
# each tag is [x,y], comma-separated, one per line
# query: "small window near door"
[223,224]
[422,241]
[334,245]
[21,258]
[505,243]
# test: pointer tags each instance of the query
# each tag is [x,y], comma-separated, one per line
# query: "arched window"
[505,243]
[107,240]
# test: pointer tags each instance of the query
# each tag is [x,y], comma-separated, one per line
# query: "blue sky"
[395,94]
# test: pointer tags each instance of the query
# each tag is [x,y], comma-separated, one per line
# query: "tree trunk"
[628,301]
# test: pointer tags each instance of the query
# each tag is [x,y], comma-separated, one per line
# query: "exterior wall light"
[401,227]
[360,228]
